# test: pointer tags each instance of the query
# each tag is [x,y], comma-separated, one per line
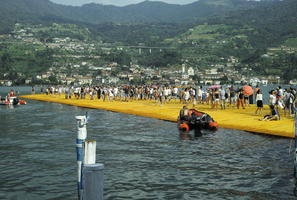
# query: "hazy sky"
[115,2]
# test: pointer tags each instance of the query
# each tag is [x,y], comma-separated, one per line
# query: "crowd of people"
[218,97]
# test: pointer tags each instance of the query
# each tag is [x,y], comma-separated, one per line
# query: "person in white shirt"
[223,98]
[110,94]
[115,92]
[165,94]
[272,98]
[186,95]
[175,93]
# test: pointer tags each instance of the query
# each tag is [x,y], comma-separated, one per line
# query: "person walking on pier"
[232,97]
[259,101]
[33,90]
[240,100]
[223,98]
[216,99]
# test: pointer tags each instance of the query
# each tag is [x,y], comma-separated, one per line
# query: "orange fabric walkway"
[240,119]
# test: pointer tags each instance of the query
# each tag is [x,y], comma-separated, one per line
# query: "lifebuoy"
[184,127]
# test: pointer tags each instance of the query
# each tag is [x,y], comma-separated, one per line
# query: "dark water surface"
[144,158]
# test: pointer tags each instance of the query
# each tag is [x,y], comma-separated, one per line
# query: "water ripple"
[144,158]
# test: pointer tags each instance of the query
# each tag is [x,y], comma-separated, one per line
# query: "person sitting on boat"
[273,116]
[184,113]
[196,120]
[11,93]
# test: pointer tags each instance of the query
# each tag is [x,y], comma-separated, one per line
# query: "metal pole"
[93,181]
[81,137]
[92,177]
[295,163]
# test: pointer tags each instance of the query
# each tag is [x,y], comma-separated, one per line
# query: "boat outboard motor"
[200,120]
[15,101]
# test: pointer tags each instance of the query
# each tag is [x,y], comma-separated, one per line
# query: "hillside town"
[76,62]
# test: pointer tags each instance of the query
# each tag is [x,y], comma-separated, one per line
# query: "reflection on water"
[144,158]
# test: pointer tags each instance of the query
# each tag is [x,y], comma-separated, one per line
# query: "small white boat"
[12,101]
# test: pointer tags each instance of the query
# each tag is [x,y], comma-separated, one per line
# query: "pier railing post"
[81,137]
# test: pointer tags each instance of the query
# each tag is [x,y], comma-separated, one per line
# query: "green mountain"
[263,39]
[273,23]
[205,32]
[29,11]
[42,11]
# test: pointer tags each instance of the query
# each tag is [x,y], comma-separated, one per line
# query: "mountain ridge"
[36,11]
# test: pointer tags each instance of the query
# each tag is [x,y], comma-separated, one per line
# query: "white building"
[191,71]
[264,82]
[85,80]
[28,81]
[183,68]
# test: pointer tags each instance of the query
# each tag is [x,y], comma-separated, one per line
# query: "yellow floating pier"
[240,119]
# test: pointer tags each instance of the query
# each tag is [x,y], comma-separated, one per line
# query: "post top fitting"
[80,117]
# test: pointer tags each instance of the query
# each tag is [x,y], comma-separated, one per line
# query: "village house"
[84,80]
[68,80]
[45,76]
[28,81]
[264,81]
[273,79]
[211,75]
[293,82]
[191,71]
[113,80]
[254,81]
[6,83]
[185,76]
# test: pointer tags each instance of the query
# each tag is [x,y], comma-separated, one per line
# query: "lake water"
[144,158]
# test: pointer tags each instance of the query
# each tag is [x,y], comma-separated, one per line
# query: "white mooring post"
[90,152]
[90,174]
[81,137]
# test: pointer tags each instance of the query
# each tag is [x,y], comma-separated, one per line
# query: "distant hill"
[273,23]
[263,38]
[29,11]
[43,11]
